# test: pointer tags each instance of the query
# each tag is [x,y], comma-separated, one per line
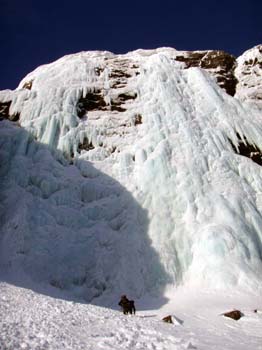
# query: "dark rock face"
[138,119]
[247,150]
[252,62]
[117,102]
[121,70]
[117,73]
[127,96]
[28,85]
[218,63]
[168,319]
[92,101]
[4,109]
[85,145]
[235,314]
[5,112]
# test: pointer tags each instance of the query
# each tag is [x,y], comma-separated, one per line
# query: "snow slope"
[33,321]
[124,178]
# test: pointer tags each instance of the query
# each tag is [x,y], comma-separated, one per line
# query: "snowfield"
[33,321]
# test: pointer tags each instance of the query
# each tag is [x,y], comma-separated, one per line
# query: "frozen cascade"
[153,193]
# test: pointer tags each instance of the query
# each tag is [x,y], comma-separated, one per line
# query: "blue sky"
[35,32]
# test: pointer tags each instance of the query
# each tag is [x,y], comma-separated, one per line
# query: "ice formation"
[248,74]
[124,175]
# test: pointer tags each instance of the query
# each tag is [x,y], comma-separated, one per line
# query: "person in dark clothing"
[128,306]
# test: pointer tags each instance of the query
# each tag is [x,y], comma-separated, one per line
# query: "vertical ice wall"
[204,200]
[166,135]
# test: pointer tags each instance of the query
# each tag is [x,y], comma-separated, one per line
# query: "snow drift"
[127,176]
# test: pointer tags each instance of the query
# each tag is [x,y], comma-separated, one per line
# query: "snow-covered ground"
[33,321]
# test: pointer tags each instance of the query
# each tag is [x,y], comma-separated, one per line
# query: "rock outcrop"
[235,314]
[167,319]
[218,63]
[5,112]
[249,75]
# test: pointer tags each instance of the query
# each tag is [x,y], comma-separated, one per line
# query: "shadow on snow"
[71,231]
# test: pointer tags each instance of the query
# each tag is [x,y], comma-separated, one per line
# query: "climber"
[128,306]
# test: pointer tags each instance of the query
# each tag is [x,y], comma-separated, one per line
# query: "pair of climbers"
[128,306]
